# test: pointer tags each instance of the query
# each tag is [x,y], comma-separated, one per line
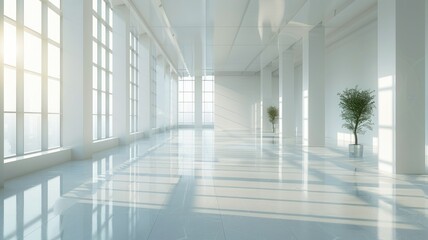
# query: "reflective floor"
[206,185]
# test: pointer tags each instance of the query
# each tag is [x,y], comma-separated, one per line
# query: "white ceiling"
[206,36]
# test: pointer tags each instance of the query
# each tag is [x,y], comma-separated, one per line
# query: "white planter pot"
[356,150]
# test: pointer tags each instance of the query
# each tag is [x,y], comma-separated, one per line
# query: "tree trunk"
[355,137]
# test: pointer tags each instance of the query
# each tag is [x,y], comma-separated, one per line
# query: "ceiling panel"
[218,36]
[185,13]
[220,54]
[241,56]
[238,35]
[225,13]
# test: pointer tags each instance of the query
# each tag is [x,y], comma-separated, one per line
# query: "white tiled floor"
[207,185]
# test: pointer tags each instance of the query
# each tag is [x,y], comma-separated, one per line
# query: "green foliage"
[272,114]
[357,110]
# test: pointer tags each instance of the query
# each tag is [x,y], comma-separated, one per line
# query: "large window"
[133,83]
[186,101]
[32,76]
[208,100]
[102,73]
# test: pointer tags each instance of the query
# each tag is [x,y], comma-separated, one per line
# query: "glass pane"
[95,5]
[110,17]
[32,93]
[110,61]
[32,132]
[33,14]
[188,86]
[110,104]
[103,57]
[180,86]
[103,80]
[188,97]
[110,126]
[110,82]
[103,9]
[103,34]
[94,102]
[94,77]
[103,126]
[32,53]
[54,26]
[54,130]
[208,107]
[94,52]
[54,59]
[9,89]
[111,39]
[10,42]
[10,8]
[208,97]
[103,103]
[54,96]
[57,3]
[94,27]
[188,107]
[94,127]
[9,134]
[208,86]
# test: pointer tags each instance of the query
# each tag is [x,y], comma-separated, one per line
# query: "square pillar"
[266,98]
[287,125]
[77,77]
[313,87]
[1,97]
[144,82]
[401,86]
[121,72]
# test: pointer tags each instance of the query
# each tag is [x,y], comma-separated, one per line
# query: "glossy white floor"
[206,185]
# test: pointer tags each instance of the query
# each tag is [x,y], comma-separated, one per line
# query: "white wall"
[236,102]
[350,61]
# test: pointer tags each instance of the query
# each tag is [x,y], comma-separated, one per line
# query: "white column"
[1,97]
[313,87]
[298,99]
[401,85]
[266,97]
[145,71]
[121,74]
[287,124]
[77,77]
[198,101]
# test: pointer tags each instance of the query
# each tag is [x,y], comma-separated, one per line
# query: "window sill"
[22,165]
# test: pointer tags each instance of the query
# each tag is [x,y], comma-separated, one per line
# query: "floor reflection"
[204,184]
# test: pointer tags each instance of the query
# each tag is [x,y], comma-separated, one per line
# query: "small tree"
[357,110]
[273,116]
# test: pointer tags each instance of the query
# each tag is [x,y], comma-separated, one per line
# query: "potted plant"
[357,111]
[273,114]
